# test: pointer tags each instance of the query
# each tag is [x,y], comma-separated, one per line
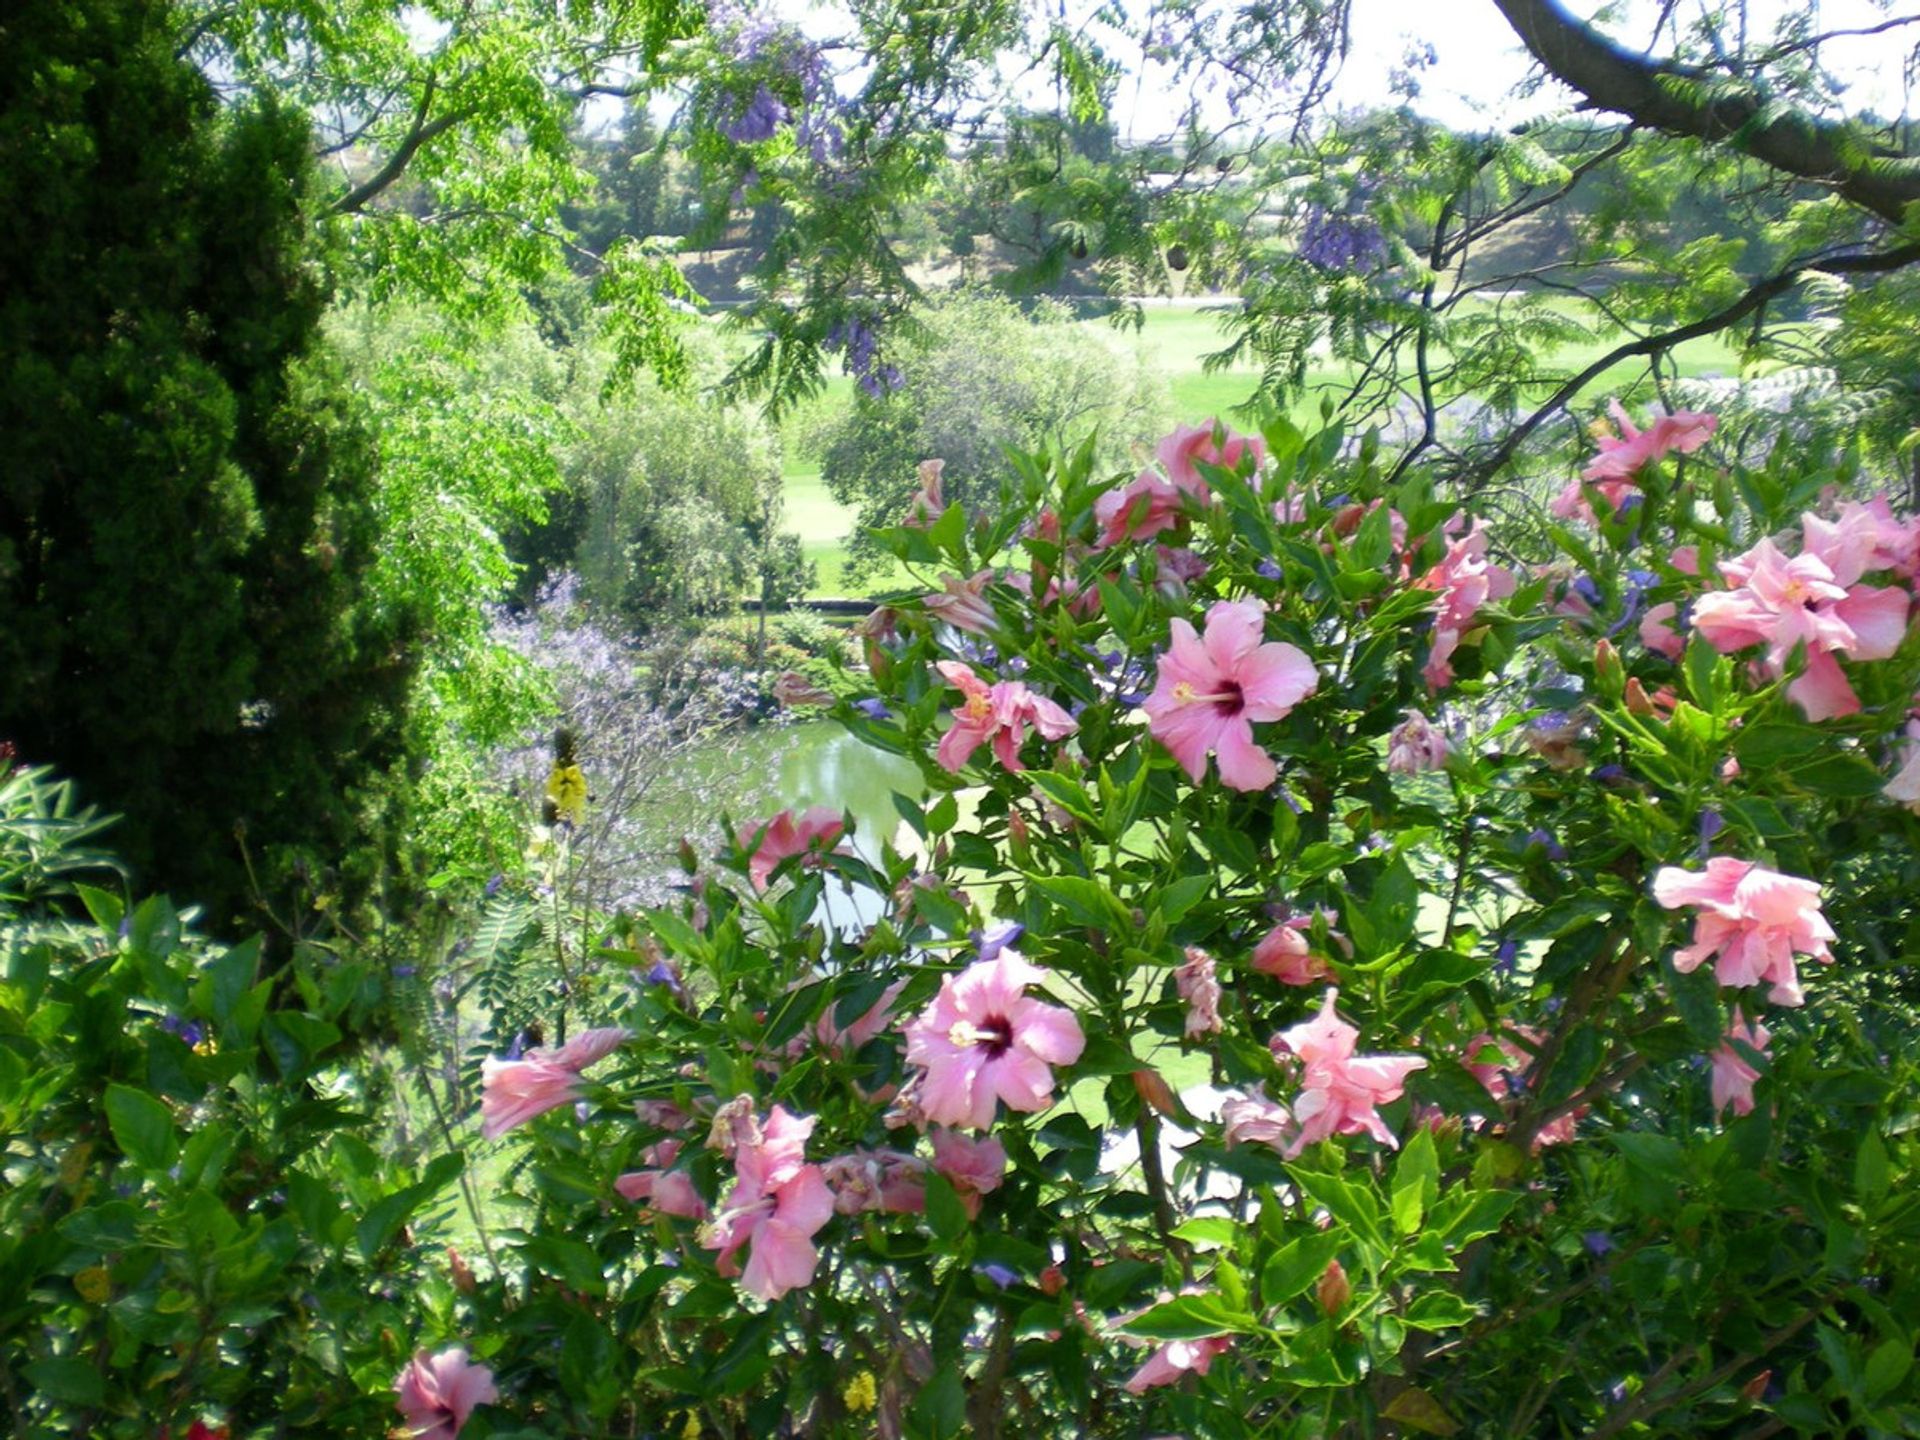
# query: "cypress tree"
[188,508]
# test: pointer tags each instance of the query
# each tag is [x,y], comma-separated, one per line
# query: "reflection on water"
[755,773]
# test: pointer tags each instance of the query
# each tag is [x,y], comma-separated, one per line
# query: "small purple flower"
[190,1033]
[1545,840]
[1268,569]
[494,883]
[999,1274]
[1507,958]
[518,1047]
[1598,1242]
[874,708]
[405,972]
[1712,822]
[757,120]
[1610,774]
[989,943]
[1617,1393]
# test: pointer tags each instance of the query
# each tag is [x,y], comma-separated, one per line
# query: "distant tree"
[975,376]
[189,521]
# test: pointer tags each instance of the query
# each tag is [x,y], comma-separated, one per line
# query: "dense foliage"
[1048,1110]
[189,521]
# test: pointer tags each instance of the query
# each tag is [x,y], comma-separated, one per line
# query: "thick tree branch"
[1685,100]
[421,131]
[1647,346]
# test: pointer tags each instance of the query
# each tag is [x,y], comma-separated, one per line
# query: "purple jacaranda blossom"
[1000,1275]
[757,119]
[874,708]
[1268,569]
[1507,957]
[1597,1242]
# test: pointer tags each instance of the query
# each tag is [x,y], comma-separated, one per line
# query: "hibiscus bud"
[1154,1091]
[689,857]
[1636,695]
[1608,673]
[1755,1388]
[1333,1291]
[1052,1280]
[461,1272]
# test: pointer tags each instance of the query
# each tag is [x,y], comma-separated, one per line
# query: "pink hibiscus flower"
[1752,922]
[888,1182]
[1415,745]
[1254,1119]
[512,1092]
[928,503]
[1339,1090]
[973,1167]
[983,1040]
[1209,693]
[663,1190]
[438,1392]
[1199,986]
[1285,953]
[963,603]
[1211,443]
[1733,1075]
[1144,507]
[777,1205]
[1174,1359]
[1466,580]
[785,835]
[1781,603]
[1684,431]
[1000,713]
[1497,1064]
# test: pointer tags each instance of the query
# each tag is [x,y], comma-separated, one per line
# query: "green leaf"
[1345,1202]
[1215,1230]
[143,1128]
[944,814]
[226,979]
[1870,1174]
[940,1409]
[946,1216]
[103,905]
[1182,895]
[1887,1366]
[1296,1266]
[1086,901]
[1416,1180]
[1191,1317]
[70,1381]
[1439,1310]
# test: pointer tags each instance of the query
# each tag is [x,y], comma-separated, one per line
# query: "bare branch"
[1648,346]
[1686,100]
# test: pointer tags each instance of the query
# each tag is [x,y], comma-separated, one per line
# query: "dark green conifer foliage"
[187,506]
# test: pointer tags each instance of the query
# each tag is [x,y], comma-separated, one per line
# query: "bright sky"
[1479,61]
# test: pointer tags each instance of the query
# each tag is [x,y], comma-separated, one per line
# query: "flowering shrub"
[1310,1017]
[1345,977]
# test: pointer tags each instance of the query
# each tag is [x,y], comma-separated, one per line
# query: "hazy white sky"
[1478,60]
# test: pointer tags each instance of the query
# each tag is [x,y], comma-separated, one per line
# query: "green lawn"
[1177,338]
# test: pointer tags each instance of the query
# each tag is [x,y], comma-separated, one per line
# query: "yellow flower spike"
[567,793]
[861,1394]
[691,1430]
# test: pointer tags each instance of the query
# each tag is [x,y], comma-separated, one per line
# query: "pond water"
[817,763]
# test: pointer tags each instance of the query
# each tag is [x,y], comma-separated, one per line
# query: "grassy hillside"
[1177,336]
